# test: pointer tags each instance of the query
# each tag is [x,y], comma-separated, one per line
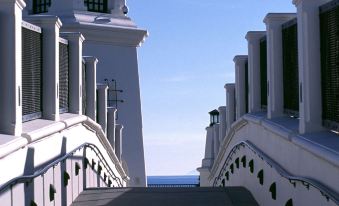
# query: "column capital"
[119,126]
[111,109]
[240,58]
[90,59]
[229,86]
[222,108]
[254,35]
[73,36]
[45,20]
[102,86]
[278,18]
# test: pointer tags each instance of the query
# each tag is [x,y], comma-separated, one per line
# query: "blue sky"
[183,66]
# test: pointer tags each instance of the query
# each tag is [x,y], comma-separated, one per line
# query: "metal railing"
[324,190]
[28,178]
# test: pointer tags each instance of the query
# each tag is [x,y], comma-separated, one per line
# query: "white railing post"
[240,85]
[253,39]
[222,123]
[111,124]
[91,85]
[102,106]
[118,140]
[230,102]
[50,67]
[310,108]
[75,40]
[275,99]
[11,67]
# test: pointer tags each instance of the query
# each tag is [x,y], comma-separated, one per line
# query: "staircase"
[231,196]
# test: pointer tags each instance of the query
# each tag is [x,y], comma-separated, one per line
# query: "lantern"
[214,117]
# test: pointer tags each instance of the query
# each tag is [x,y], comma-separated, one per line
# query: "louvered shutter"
[290,67]
[329,35]
[63,77]
[41,6]
[31,74]
[263,72]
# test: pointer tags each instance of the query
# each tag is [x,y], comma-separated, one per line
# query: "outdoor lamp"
[214,117]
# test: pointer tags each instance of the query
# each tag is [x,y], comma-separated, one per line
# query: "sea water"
[173,180]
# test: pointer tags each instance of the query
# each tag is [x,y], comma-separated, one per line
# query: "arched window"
[41,6]
[96,5]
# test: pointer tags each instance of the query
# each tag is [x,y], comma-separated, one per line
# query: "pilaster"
[253,39]
[275,99]
[240,85]
[230,102]
[91,85]
[50,67]
[11,66]
[111,123]
[222,123]
[310,105]
[75,40]
[216,141]
[207,162]
[118,140]
[102,106]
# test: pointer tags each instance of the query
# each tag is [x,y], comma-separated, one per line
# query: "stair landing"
[215,196]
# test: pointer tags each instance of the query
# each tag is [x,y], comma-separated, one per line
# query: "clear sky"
[183,66]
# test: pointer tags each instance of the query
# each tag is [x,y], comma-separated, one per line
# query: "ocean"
[173,180]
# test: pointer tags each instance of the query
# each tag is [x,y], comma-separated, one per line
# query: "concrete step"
[214,196]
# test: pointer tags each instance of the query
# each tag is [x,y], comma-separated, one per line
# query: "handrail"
[28,178]
[327,192]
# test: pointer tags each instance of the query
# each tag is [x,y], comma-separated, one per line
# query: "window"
[290,67]
[41,6]
[96,5]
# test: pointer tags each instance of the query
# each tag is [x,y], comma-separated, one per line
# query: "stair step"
[230,196]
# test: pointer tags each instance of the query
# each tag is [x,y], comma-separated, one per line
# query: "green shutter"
[31,74]
[290,67]
[63,77]
[263,72]
[329,35]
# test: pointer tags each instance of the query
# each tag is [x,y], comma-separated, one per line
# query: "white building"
[63,126]
[280,139]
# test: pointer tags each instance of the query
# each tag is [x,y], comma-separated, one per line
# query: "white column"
[275,99]
[209,148]
[118,140]
[10,66]
[240,85]
[230,102]
[222,123]
[216,139]
[102,106]
[111,122]
[310,108]
[254,87]
[75,40]
[50,68]
[91,85]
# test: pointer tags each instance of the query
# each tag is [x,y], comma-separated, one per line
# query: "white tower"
[113,38]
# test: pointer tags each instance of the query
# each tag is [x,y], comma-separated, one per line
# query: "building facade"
[280,138]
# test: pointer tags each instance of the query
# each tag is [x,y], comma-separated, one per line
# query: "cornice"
[240,58]
[122,36]
[44,19]
[254,35]
[90,59]
[278,17]
[229,86]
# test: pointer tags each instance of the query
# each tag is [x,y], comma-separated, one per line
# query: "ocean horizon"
[173,179]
